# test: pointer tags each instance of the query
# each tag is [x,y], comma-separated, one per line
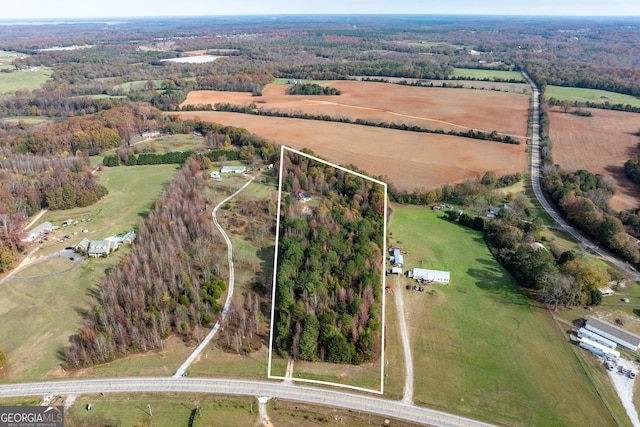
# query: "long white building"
[585,333]
[618,335]
[599,349]
[431,275]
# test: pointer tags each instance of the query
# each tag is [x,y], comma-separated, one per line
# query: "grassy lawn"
[139,84]
[28,120]
[487,74]
[166,410]
[23,79]
[481,347]
[53,304]
[590,95]
[166,143]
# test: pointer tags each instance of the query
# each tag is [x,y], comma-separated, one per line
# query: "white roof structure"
[34,233]
[397,258]
[618,335]
[233,169]
[431,275]
[585,333]
[599,349]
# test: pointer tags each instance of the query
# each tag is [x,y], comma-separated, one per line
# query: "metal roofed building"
[431,275]
[618,335]
[37,231]
[233,169]
[599,349]
[585,333]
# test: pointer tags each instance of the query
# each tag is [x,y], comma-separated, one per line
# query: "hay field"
[600,144]
[435,108]
[409,160]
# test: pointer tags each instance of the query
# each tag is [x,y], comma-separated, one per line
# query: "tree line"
[252,109]
[329,265]
[311,89]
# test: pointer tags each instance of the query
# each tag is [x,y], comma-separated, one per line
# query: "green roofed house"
[129,237]
[101,248]
[83,246]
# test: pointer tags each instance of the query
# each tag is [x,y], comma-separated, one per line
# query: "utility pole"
[150,413]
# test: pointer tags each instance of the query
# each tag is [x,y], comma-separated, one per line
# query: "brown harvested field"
[435,108]
[600,144]
[407,159]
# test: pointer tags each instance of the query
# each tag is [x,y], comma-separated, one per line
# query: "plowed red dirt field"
[599,144]
[434,108]
[407,159]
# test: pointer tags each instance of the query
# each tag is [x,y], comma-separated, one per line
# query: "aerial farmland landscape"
[387,216]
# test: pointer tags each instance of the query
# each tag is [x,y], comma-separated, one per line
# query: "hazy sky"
[46,9]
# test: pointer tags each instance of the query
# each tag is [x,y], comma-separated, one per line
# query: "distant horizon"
[123,19]
[56,10]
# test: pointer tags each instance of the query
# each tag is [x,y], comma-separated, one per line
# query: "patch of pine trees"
[330,260]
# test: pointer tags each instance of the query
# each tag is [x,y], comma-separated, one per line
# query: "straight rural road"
[183,368]
[367,404]
[537,188]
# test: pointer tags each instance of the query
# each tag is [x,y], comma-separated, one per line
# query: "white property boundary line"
[275,271]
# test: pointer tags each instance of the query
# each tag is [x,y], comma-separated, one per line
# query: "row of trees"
[311,89]
[329,266]
[583,197]
[169,283]
[252,109]
[565,280]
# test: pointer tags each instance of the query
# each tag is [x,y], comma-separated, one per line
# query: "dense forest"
[329,265]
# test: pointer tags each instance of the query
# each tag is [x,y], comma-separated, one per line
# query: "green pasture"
[160,410]
[166,143]
[47,308]
[28,120]
[23,79]
[479,74]
[102,96]
[139,85]
[598,96]
[481,347]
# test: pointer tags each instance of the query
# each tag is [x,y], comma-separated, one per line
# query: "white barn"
[397,258]
[599,349]
[36,232]
[585,333]
[618,335]
[431,275]
[233,169]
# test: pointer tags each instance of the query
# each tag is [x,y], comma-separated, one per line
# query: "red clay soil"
[600,144]
[407,159]
[434,108]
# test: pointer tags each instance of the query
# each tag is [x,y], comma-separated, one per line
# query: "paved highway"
[537,188]
[367,404]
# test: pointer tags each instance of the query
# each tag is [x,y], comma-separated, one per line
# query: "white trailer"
[599,349]
[585,333]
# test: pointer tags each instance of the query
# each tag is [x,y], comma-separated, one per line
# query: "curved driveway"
[537,188]
[183,368]
[386,408]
